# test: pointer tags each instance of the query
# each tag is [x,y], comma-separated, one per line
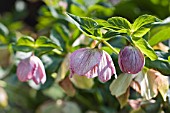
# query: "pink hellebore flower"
[31,68]
[131,60]
[92,63]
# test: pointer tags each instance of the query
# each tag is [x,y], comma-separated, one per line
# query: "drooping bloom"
[31,68]
[131,60]
[91,63]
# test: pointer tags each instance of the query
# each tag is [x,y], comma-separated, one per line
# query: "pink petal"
[42,72]
[24,70]
[93,72]
[106,68]
[83,60]
[39,71]
[36,74]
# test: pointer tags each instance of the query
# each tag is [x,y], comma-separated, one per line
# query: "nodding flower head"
[91,63]
[131,60]
[31,68]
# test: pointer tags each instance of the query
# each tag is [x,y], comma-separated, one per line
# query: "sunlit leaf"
[25,44]
[141,32]
[142,21]
[143,45]
[160,36]
[85,24]
[44,45]
[119,23]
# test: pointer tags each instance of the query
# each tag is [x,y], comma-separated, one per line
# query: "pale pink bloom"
[91,63]
[31,68]
[131,60]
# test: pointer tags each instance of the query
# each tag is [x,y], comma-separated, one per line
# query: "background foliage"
[22,21]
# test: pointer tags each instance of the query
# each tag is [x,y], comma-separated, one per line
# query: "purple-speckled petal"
[84,60]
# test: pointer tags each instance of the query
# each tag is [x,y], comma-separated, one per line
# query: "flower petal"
[106,68]
[93,72]
[24,70]
[39,71]
[83,60]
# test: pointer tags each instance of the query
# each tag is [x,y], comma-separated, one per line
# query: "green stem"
[97,44]
[113,49]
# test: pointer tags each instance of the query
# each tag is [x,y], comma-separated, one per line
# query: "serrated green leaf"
[26,40]
[85,24]
[160,36]
[142,21]
[25,44]
[141,32]
[110,34]
[45,44]
[23,48]
[143,45]
[119,23]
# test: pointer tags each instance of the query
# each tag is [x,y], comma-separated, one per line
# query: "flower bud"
[91,63]
[131,60]
[31,68]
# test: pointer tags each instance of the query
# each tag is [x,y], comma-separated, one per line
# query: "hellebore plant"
[131,60]
[91,63]
[31,68]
